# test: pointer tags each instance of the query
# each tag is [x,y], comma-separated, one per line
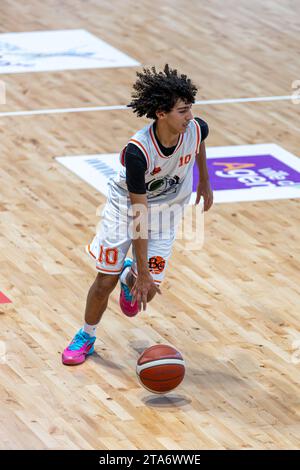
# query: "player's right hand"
[143,286]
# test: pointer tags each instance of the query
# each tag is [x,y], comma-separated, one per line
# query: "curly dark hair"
[159,91]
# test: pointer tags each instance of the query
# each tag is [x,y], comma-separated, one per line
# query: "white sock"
[124,275]
[90,329]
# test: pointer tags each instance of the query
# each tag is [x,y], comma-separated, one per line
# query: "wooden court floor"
[231,308]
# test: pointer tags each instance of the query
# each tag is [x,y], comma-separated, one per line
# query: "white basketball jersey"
[168,178]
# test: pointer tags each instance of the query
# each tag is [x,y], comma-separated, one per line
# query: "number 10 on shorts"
[108,255]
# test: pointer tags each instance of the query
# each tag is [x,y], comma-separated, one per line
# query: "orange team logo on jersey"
[156,264]
[156,170]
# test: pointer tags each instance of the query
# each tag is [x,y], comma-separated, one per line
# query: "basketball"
[160,368]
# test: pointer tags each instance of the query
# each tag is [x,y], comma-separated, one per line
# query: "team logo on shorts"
[156,264]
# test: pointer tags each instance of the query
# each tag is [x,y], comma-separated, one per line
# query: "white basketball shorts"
[112,241]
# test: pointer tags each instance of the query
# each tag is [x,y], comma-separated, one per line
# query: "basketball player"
[156,177]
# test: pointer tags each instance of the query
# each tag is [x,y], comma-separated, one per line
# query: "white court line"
[112,108]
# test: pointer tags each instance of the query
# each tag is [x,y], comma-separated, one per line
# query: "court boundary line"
[121,107]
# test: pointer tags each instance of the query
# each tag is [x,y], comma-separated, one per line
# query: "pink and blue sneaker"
[126,297]
[80,347]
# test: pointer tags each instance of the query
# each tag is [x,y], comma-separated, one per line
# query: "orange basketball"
[160,368]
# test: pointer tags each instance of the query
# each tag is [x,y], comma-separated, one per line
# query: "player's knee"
[105,283]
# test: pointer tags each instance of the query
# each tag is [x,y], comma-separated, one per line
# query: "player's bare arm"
[204,188]
[144,284]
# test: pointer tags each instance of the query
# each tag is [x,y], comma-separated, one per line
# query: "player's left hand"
[205,191]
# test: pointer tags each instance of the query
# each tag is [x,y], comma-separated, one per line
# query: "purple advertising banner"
[246,172]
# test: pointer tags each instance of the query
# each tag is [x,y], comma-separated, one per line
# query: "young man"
[156,178]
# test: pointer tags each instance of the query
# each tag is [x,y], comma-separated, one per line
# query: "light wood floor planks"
[232,308]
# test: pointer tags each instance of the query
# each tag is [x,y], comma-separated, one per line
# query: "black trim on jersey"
[204,128]
[136,164]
